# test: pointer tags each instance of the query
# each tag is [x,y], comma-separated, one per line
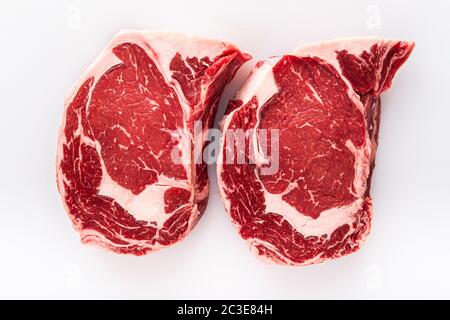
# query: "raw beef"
[324,100]
[137,103]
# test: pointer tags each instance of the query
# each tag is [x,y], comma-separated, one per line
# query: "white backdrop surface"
[45,46]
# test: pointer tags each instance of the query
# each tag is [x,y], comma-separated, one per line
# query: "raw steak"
[130,110]
[324,99]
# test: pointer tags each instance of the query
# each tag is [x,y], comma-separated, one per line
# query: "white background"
[46,45]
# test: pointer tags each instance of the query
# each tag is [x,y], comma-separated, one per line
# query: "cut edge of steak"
[324,99]
[136,103]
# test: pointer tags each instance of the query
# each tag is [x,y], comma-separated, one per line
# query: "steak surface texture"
[320,107]
[133,110]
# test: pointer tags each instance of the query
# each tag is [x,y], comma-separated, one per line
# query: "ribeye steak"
[136,104]
[324,100]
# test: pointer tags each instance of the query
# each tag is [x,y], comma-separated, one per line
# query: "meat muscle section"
[324,100]
[135,106]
